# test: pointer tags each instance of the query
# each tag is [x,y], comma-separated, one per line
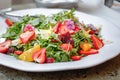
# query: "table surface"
[109,70]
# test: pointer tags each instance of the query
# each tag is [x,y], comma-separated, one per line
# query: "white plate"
[109,51]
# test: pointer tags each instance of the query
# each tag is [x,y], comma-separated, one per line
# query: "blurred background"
[21,1]
[113,4]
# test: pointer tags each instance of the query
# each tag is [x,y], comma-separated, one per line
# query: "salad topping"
[48,39]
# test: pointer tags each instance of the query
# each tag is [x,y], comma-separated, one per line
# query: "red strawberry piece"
[50,60]
[27,36]
[77,28]
[9,22]
[97,43]
[40,56]
[75,58]
[18,52]
[57,27]
[5,46]
[66,47]
[91,51]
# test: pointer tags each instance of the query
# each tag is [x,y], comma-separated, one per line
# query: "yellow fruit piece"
[85,46]
[27,55]
[87,33]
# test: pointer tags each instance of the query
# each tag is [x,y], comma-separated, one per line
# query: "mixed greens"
[47,39]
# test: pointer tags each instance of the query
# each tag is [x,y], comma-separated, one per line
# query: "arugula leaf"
[79,37]
[14,31]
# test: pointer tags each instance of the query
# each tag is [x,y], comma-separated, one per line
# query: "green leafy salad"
[60,37]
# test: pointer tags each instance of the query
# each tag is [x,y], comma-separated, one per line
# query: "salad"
[59,37]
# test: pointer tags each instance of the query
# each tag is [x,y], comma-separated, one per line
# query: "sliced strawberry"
[75,58]
[57,27]
[8,22]
[91,51]
[66,47]
[60,28]
[4,46]
[77,28]
[28,27]
[63,30]
[18,52]
[97,43]
[27,36]
[71,31]
[40,56]
[50,60]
